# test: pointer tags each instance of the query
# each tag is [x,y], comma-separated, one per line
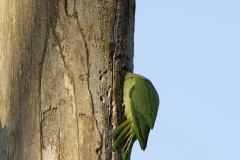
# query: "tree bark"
[60,93]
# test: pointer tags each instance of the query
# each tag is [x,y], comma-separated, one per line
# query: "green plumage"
[141,105]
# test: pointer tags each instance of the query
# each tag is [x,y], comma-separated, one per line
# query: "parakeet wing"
[144,105]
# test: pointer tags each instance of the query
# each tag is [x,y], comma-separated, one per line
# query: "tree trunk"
[60,88]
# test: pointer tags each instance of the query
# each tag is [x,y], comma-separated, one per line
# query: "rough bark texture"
[60,93]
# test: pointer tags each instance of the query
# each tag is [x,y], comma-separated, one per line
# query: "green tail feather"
[119,129]
[121,133]
[127,149]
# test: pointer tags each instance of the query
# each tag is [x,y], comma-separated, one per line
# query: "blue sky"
[190,50]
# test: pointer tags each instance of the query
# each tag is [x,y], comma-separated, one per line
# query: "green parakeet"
[141,105]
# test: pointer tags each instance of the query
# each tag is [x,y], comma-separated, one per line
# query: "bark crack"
[99,136]
[59,45]
[113,50]
[40,76]
[70,8]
